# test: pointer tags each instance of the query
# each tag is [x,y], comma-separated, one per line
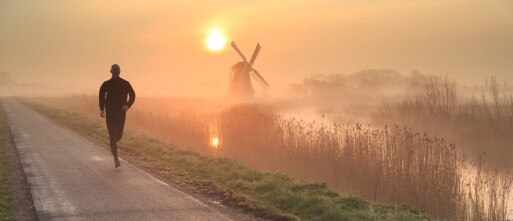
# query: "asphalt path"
[71,178]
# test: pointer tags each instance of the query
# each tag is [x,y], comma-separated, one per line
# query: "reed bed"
[477,124]
[392,164]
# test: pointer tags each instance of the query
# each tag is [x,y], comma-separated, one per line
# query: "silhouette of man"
[113,100]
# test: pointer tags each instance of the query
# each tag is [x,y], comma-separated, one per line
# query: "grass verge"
[268,195]
[5,201]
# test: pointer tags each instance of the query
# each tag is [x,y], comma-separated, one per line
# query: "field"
[269,195]
[396,163]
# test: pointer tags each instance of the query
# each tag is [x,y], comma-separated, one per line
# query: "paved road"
[72,179]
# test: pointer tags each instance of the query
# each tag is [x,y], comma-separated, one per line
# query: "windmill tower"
[240,82]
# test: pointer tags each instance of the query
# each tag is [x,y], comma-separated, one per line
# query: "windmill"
[240,83]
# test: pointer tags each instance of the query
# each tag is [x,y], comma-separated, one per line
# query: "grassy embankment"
[271,195]
[5,202]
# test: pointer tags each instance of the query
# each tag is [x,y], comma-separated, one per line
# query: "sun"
[216,40]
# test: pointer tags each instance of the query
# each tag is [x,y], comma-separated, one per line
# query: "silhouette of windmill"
[240,82]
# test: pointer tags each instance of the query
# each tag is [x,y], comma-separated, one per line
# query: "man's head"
[115,70]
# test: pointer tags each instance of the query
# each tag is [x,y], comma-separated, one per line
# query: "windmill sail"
[260,78]
[238,51]
[255,53]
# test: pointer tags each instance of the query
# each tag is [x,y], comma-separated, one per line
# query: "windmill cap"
[240,65]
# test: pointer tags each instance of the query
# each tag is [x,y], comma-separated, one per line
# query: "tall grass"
[390,164]
[479,124]
[482,126]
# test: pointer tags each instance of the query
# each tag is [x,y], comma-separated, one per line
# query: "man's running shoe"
[117,163]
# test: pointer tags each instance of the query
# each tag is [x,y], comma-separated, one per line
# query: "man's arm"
[131,94]
[101,96]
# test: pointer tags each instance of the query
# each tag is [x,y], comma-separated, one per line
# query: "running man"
[113,100]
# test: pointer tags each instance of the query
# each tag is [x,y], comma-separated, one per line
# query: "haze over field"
[160,44]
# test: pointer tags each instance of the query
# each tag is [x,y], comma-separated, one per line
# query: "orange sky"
[160,44]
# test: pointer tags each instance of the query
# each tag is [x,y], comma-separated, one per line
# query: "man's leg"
[113,129]
[114,148]
[121,125]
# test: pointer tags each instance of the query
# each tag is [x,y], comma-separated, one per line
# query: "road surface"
[71,178]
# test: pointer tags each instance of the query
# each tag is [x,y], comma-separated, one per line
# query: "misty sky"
[160,44]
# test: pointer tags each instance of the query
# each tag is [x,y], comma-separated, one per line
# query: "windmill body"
[240,80]
[240,84]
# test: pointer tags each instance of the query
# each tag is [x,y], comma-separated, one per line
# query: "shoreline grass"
[268,195]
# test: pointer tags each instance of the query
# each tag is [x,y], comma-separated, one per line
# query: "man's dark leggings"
[115,125]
